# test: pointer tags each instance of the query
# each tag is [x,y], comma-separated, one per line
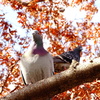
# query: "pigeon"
[36,63]
[63,61]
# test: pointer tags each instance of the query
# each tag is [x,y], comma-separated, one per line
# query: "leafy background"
[62,30]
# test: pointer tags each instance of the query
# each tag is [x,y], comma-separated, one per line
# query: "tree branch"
[79,74]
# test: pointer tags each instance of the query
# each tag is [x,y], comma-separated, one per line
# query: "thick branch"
[86,72]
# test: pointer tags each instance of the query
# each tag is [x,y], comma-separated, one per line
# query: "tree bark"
[74,76]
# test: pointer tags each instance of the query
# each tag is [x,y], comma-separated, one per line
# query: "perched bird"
[36,63]
[64,60]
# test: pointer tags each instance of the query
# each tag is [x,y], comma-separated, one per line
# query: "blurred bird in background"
[63,61]
[36,63]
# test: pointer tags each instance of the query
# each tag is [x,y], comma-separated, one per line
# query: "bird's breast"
[40,51]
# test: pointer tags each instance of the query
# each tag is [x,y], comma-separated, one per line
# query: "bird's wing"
[61,62]
[67,56]
[58,59]
[21,66]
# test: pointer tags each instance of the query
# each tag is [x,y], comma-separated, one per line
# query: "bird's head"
[37,38]
[79,48]
[38,47]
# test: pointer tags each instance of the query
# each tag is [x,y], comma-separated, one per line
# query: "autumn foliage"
[47,17]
